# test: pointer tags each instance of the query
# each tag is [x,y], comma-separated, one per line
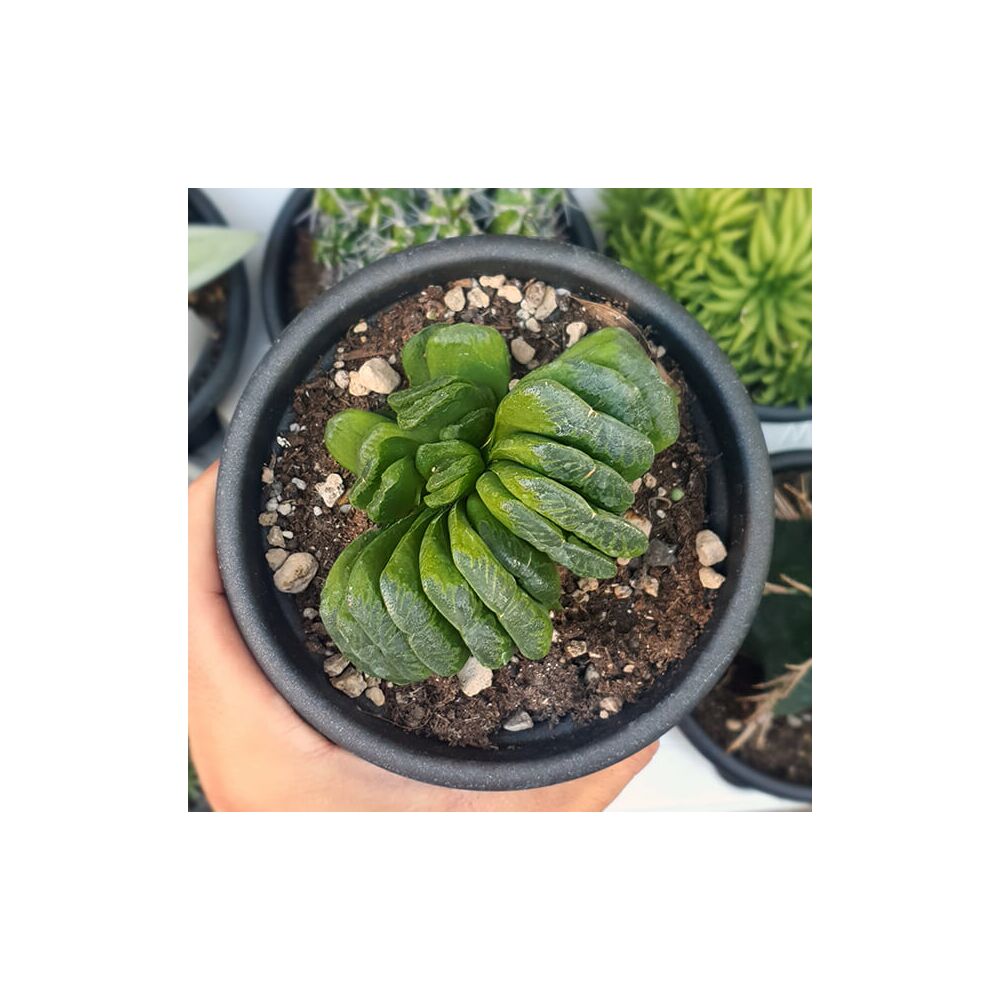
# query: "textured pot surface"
[734,770]
[739,497]
[215,371]
[276,293]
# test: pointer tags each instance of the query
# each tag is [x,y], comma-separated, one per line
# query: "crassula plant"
[480,492]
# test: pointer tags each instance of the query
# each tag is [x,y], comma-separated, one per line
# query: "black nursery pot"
[219,361]
[783,414]
[276,291]
[739,498]
[731,768]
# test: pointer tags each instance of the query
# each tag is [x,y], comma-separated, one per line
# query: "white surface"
[678,778]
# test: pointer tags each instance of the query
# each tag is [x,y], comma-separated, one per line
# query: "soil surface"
[612,637]
[786,752]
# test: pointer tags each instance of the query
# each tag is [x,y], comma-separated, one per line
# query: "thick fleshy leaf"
[524,619]
[534,570]
[474,427]
[432,638]
[616,348]
[364,601]
[345,432]
[213,250]
[603,388]
[593,480]
[412,355]
[537,530]
[438,403]
[364,654]
[610,534]
[398,492]
[474,353]
[455,482]
[550,409]
[385,444]
[453,596]
[440,454]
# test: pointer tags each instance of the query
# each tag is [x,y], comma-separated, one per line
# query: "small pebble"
[650,480]
[660,554]
[591,675]
[342,379]
[474,677]
[375,696]
[299,484]
[510,292]
[512,383]
[267,518]
[454,299]
[660,513]
[350,682]
[794,721]
[338,364]
[518,722]
[355,386]
[603,714]
[361,327]
[709,578]
[276,538]
[629,668]
[709,548]
[275,557]
[317,511]
[734,725]
[296,573]
[533,295]
[587,583]
[267,475]
[334,666]
[478,299]
[649,585]
[611,704]
[377,375]
[533,325]
[622,591]
[284,509]
[331,489]
[287,534]
[548,304]
[575,648]
[309,613]
[493,281]
[272,504]
[522,350]
[635,484]
[574,331]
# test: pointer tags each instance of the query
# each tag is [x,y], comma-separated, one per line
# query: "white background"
[679,777]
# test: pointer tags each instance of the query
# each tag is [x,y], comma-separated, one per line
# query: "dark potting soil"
[211,303]
[612,638]
[786,751]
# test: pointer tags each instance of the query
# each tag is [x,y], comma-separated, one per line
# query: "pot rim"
[297,203]
[265,402]
[220,376]
[731,768]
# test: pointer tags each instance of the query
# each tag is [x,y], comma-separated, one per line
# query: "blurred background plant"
[738,259]
[212,250]
[352,227]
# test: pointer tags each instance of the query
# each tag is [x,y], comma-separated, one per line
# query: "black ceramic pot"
[739,497]
[219,360]
[276,292]
[731,768]
[783,414]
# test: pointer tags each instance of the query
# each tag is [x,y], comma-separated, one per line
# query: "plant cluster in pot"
[458,508]
[740,260]
[218,311]
[322,235]
[756,725]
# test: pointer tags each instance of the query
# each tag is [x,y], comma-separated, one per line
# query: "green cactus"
[352,227]
[740,260]
[474,521]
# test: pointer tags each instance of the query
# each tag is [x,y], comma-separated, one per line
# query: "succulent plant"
[353,227]
[740,260]
[480,492]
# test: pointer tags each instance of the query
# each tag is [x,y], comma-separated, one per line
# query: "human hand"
[252,751]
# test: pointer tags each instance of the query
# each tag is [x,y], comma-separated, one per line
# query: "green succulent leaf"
[473,353]
[345,432]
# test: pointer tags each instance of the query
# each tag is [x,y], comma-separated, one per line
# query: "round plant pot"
[740,510]
[783,414]
[276,292]
[731,768]
[219,360]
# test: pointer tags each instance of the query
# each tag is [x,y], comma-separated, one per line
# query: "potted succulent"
[740,260]
[756,725]
[323,234]
[538,462]
[218,311]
